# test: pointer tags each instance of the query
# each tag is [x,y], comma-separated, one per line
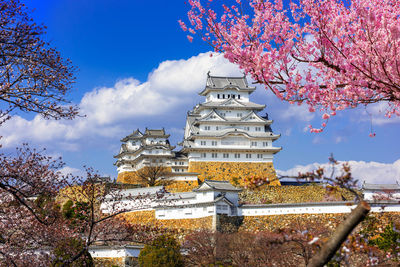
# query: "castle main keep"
[225,138]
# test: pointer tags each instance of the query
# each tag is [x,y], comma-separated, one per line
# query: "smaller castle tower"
[142,149]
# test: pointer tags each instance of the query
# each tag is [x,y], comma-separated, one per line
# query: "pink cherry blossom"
[329,55]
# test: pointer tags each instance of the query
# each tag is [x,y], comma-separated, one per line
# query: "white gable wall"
[213,96]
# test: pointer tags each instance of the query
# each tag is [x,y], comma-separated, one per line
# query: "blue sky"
[137,69]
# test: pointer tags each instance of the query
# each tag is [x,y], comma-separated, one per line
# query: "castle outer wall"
[235,172]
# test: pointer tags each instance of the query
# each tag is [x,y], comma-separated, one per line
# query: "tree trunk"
[339,236]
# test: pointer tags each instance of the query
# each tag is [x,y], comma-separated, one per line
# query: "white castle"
[223,136]
[225,142]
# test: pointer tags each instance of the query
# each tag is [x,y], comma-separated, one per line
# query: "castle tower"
[225,138]
[139,150]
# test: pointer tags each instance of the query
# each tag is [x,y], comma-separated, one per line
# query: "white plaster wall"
[204,196]
[371,195]
[133,145]
[316,209]
[310,209]
[213,96]
[183,178]
[218,129]
[186,212]
[196,156]
[151,140]
[114,252]
[107,253]
[386,208]
[125,168]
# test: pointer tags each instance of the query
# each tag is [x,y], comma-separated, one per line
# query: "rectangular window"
[214,155]
[229,96]
[203,155]
[213,143]
[247,128]
[223,96]
[259,156]
[238,96]
[226,155]
[217,128]
[218,96]
[203,143]
[237,155]
[207,128]
[258,129]
[253,143]
[265,144]
[233,96]
[248,156]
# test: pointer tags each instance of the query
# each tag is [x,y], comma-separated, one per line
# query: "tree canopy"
[331,54]
[33,75]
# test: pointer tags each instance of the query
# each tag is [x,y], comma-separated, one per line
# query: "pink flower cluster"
[326,54]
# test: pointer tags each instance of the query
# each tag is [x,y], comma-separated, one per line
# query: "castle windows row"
[246,128]
[252,143]
[227,96]
[231,155]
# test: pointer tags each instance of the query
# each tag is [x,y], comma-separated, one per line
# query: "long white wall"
[310,208]
[110,252]
[265,210]
[199,156]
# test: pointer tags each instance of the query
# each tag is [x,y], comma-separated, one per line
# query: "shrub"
[66,249]
[163,251]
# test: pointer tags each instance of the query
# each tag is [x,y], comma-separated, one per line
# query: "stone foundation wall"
[181,225]
[235,172]
[181,186]
[294,194]
[109,262]
[132,178]
[127,178]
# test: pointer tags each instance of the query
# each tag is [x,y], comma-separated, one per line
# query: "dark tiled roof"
[218,83]
[155,132]
[218,185]
[367,186]
[222,82]
[135,135]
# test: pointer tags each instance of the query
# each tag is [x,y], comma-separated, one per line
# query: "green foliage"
[66,249]
[389,240]
[75,211]
[163,251]
[67,210]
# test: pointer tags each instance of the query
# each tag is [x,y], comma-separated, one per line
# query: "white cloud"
[107,109]
[376,113]
[298,113]
[370,172]
[74,171]
[317,139]
[339,139]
